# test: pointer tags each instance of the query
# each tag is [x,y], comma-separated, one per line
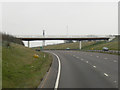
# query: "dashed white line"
[106,74]
[97,56]
[94,66]
[77,57]
[115,61]
[86,61]
[74,55]
[82,59]
[105,58]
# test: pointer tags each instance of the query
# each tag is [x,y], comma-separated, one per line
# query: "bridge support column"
[28,44]
[80,45]
[43,43]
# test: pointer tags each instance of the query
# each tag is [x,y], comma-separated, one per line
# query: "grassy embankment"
[74,45]
[90,45]
[20,69]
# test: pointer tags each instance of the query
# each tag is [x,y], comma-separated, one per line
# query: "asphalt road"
[83,70]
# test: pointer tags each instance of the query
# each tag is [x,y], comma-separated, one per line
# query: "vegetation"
[74,45]
[99,45]
[10,38]
[20,69]
[89,45]
[112,45]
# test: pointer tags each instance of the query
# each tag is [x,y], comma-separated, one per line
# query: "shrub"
[10,38]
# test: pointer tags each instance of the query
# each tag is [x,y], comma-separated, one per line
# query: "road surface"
[82,70]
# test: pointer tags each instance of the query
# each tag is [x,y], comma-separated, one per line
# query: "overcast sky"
[81,17]
[30,18]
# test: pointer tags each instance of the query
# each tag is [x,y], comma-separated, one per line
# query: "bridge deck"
[32,39]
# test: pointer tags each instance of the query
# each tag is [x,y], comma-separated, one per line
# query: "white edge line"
[59,69]
[58,75]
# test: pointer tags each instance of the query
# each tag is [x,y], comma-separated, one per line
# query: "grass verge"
[20,69]
[88,45]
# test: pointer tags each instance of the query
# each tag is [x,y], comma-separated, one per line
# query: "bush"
[10,38]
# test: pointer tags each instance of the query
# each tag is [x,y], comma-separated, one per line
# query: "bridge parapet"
[65,36]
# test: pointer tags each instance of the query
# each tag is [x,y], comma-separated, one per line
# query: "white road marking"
[86,61]
[105,58]
[58,75]
[115,81]
[94,66]
[74,55]
[115,61]
[97,56]
[77,57]
[106,74]
[82,59]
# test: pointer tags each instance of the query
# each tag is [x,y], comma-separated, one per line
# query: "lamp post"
[43,37]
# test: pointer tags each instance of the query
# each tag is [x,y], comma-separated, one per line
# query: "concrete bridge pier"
[28,44]
[80,45]
[43,44]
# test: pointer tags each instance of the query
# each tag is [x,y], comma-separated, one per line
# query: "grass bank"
[10,38]
[89,45]
[100,45]
[20,69]
[74,45]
